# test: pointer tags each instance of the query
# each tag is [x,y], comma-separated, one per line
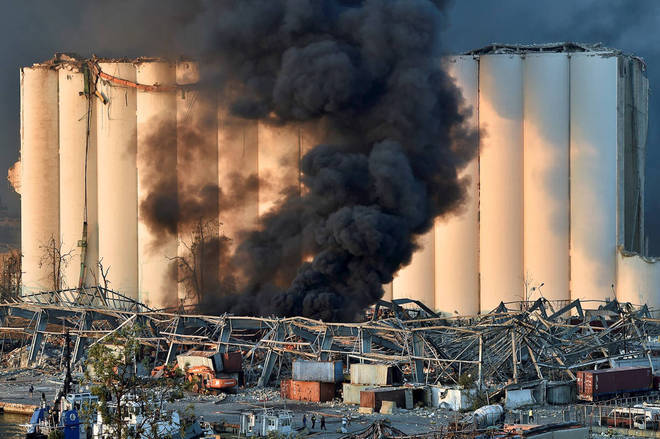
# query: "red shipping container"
[232,362]
[597,384]
[312,391]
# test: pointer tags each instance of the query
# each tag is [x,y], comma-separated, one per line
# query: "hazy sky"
[32,30]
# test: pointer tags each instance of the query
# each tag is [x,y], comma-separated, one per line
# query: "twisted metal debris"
[516,342]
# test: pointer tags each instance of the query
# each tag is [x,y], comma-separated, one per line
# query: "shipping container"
[312,391]
[374,374]
[351,392]
[373,398]
[209,359]
[597,384]
[232,362]
[323,371]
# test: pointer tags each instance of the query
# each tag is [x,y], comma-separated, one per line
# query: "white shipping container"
[371,374]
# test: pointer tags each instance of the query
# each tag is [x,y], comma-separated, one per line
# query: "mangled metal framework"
[532,342]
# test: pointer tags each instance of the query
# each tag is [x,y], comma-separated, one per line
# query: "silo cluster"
[555,197]
[99,137]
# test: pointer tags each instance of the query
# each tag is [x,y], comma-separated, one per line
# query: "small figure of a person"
[313,421]
[31,390]
[304,419]
[343,425]
[322,422]
[531,415]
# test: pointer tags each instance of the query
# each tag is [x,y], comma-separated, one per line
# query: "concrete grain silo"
[457,234]
[156,160]
[417,279]
[238,174]
[546,175]
[78,178]
[280,149]
[197,164]
[117,179]
[501,179]
[40,212]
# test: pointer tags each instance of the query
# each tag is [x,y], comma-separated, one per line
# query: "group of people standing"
[344,422]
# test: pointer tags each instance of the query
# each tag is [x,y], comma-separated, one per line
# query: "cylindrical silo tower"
[238,174]
[280,149]
[117,180]
[156,168]
[39,177]
[593,170]
[638,280]
[197,176]
[78,190]
[546,175]
[457,235]
[417,280]
[501,179]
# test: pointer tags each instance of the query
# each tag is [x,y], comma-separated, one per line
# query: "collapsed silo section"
[501,179]
[637,280]
[78,188]
[546,176]
[117,180]
[457,235]
[157,183]
[197,185]
[593,170]
[417,279]
[40,243]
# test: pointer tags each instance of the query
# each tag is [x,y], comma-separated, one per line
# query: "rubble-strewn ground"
[14,386]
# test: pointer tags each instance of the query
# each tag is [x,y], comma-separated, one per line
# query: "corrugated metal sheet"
[324,371]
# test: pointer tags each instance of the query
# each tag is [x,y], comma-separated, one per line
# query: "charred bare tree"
[197,269]
[55,260]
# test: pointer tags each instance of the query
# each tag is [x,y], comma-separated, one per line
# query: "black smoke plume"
[397,139]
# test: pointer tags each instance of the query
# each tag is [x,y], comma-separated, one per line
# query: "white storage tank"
[546,175]
[197,166]
[593,170]
[156,162]
[457,234]
[501,179]
[39,176]
[78,189]
[117,179]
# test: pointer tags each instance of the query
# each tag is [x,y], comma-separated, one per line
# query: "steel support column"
[271,358]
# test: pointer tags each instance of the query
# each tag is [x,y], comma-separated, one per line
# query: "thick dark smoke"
[367,67]
[371,71]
